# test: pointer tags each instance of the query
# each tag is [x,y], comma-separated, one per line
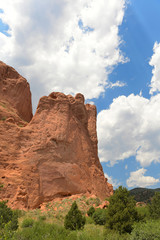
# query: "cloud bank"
[63,45]
[155,63]
[130,127]
[137,179]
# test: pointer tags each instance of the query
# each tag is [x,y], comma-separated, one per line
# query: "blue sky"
[139,32]
[109,50]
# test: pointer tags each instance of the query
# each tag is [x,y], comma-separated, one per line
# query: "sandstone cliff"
[55,154]
[15,90]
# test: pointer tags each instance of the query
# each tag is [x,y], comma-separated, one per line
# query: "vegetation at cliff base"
[100,216]
[121,212]
[64,220]
[91,211]
[8,221]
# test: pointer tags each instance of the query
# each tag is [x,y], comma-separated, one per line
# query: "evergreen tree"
[99,216]
[8,215]
[74,219]
[91,211]
[121,213]
[154,207]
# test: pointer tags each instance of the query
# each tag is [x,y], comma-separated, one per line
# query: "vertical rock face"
[55,155]
[16,91]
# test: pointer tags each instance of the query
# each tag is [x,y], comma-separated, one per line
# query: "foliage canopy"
[121,213]
[100,216]
[7,215]
[91,211]
[74,219]
[149,230]
[154,207]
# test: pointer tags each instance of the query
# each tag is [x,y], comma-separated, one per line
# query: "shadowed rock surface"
[55,154]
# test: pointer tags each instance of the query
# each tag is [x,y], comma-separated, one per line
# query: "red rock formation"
[54,155]
[15,90]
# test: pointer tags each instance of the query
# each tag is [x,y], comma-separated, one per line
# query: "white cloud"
[130,127]
[155,62]
[116,84]
[60,45]
[137,179]
[115,183]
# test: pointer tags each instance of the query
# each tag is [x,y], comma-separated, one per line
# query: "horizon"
[110,52]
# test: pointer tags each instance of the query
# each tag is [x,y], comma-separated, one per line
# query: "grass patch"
[143,212]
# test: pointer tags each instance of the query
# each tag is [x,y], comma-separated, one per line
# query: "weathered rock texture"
[55,154]
[15,90]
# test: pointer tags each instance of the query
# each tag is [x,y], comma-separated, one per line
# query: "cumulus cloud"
[155,62]
[137,179]
[59,45]
[130,127]
[115,183]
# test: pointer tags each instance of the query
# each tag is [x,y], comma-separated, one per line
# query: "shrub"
[89,220]
[20,213]
[114,235]
[143,212]
[7,215]
[42,218]
[97,202]
[8,221]
[74,219]
[154,207]
[28,222]
[40,231]
[121,212]
[100,216]
[91,211]
[148,231]
[14,221]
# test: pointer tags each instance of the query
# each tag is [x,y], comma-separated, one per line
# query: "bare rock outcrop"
[15,90]
[54,155]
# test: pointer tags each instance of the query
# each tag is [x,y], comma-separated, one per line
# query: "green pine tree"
[74,219]
[122,212]
[91,211]
[154,207]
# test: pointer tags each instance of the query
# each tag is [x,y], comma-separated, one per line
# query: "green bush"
[97,202]
[8,215]
[91,211]
[91,233]
[154,207]
[114,235]
[28,222]
[100,216]
[20,213]
[89,220]
[146,231]
[121,212]
[40,231]
[8,221]
[74,219]
[42,218]
[5,214]
[143,212]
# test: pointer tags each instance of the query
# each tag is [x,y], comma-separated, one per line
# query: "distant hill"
[143,194]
